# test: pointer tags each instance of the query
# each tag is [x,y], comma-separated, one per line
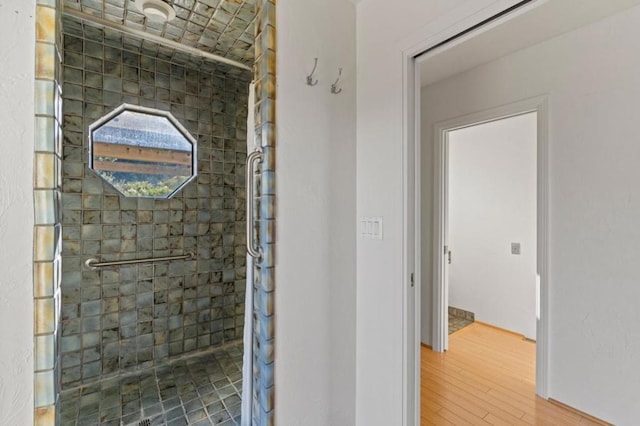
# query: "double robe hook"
[311,81]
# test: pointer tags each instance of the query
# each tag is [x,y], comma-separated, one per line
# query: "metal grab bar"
[252,159]
[95,264]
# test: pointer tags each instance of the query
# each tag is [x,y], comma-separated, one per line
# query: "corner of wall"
[17,37]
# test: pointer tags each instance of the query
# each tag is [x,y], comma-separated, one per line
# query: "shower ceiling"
[220,27]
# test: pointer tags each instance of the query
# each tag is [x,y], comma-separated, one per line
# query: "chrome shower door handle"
[252,160]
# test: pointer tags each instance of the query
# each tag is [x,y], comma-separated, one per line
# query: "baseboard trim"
[503,329]
[426,346]
[580,413]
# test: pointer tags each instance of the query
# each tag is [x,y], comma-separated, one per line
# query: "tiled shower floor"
[200,390]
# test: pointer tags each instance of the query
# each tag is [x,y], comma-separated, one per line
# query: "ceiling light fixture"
[156,10]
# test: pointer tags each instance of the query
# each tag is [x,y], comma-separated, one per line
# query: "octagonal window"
[142,152]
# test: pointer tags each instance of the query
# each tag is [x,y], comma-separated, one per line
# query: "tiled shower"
[155,342]
[119,318]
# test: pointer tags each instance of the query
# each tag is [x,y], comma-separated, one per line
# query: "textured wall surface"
[16,212]
[125,317]
[316,217]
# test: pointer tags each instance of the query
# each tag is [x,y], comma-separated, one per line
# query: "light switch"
[363,227]
[515,248]
[371,228]
[377,228]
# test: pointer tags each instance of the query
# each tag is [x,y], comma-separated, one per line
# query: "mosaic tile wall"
[122,318]
[222,27]
[263,340]
[47,185]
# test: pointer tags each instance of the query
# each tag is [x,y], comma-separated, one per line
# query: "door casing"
[440,290]
[434,34]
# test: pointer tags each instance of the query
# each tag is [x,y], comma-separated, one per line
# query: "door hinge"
[412,280]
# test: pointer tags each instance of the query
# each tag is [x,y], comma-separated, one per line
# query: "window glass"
[142,152]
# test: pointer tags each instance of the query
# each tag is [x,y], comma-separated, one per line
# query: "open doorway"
[491,85]
[501,153]
[483,62]
[490,225]
[489,280]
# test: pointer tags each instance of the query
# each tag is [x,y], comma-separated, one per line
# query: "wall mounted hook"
[310,80]
[334,86]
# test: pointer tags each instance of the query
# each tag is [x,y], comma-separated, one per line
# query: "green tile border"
[263,399]
[46,195]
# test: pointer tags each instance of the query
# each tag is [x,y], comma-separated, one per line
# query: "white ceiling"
[544,20]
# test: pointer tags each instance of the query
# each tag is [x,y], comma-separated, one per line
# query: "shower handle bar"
[252,159]
[95,263]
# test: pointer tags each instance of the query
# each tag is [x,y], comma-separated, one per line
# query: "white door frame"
[441,130]
[411,247]
[434,35]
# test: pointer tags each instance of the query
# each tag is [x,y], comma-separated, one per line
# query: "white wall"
[17,31]
[315,262]
[492,203]
[384,29]
[592,79]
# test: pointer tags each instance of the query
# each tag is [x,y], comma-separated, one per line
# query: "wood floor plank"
[462,417]
[455,378]
[438,420]
[487,377]
[483,400]
[447,395]
[495,420]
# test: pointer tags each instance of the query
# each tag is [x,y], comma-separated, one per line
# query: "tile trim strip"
[47,228]
[264,285]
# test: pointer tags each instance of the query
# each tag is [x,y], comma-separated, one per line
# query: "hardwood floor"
[487,377]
